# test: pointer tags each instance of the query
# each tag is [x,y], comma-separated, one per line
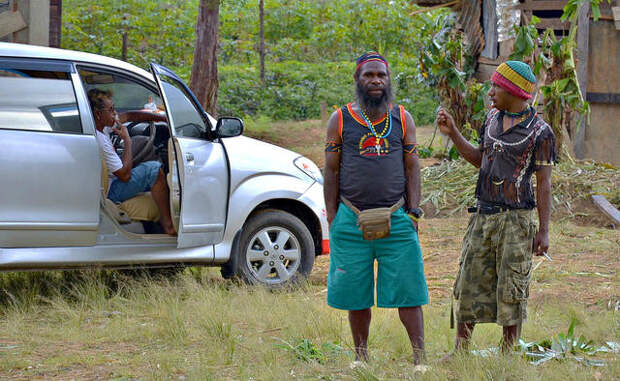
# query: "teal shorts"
[400,276]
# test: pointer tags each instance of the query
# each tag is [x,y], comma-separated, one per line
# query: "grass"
[200,327]
[195,326]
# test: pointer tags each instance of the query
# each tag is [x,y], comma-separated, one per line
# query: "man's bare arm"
[543,204]
[412,165]
[446,124]
[124,173]
[331,185]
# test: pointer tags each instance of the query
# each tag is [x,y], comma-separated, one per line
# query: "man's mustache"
[369,89]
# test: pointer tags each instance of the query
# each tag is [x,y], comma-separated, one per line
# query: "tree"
[55,23]
[204,80]
[261,47]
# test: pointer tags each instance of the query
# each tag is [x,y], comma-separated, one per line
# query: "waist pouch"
[374,223]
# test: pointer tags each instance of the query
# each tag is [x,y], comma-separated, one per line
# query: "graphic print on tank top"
[369,145]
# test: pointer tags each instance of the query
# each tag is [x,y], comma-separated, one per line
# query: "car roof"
[8,49]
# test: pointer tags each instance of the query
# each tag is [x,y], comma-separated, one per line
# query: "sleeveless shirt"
[371,179]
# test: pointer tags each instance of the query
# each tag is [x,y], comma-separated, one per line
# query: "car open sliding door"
[49,163]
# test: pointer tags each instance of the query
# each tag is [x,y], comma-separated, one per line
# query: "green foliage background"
[310,48]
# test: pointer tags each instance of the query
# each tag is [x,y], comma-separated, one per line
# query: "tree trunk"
[55,23]
[124,47]
[261,47]
[204,81]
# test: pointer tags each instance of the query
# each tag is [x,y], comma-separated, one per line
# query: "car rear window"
[38,101]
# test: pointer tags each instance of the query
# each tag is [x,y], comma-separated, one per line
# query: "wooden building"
[598,58]
[35,22]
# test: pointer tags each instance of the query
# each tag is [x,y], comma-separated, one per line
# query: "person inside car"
[127,181]
[150,105]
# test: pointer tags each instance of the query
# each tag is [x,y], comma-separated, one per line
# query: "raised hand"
[120,129]
[445,122]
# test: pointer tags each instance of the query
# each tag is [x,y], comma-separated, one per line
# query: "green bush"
[295,90]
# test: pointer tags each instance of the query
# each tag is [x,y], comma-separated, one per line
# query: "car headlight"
[308,167]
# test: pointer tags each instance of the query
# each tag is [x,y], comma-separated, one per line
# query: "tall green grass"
[97,324]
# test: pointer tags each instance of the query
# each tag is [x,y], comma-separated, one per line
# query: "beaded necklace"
[516,114]
[384,134]
[517,117]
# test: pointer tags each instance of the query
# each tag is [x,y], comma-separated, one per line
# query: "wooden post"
[583,35]
[323,112]
[124,48]
[55,23]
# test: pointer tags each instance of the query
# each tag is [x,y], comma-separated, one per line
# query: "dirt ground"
[585,264]
[585,251]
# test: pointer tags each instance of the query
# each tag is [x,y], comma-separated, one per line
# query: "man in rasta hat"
[371,163]
[492,284]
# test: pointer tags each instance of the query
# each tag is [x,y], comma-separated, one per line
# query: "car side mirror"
[228,127]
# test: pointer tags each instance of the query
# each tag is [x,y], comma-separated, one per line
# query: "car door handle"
[189,157]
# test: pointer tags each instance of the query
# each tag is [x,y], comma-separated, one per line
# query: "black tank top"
[371,178]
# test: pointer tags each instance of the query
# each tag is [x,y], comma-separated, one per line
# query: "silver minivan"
[253,208]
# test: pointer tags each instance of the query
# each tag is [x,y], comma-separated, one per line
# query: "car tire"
[275,249]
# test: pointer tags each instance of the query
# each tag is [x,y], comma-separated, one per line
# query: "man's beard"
[372,104]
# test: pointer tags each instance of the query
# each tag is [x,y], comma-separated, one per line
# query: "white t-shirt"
[151,106]
[112,161]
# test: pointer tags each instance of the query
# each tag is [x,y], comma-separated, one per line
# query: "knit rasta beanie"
[369,56]
[515,77]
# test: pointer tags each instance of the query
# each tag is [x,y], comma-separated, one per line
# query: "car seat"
[141,207]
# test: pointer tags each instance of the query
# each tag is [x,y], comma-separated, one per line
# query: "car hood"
[250,157]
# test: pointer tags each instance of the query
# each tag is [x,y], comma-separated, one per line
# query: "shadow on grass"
[25,289]
[21,289]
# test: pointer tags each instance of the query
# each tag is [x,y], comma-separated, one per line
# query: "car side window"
[187,120]
[36,100]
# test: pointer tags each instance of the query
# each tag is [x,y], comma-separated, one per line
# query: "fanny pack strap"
[393,208]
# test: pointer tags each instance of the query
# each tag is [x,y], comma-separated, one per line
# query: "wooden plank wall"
[602,140]
[469,21]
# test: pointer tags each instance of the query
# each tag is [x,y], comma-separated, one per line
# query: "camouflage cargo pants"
[493,281]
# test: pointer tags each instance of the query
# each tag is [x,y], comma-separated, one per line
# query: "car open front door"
[201,163]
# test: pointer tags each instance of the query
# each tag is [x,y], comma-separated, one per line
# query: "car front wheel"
[275,249]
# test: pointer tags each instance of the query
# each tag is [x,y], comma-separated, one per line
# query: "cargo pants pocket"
[517,285]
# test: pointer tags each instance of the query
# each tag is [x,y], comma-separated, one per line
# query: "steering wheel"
[148,146]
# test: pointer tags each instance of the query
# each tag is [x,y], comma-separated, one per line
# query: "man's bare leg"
[360,325]
[161,196]
[463,335]
[413,320]
[510,336]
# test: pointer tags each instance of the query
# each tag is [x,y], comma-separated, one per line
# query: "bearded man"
[372,168]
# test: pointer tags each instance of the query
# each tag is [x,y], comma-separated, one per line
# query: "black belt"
[489,209]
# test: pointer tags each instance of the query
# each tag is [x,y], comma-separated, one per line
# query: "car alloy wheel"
[273,255]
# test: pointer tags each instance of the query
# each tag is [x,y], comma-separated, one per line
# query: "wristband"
[414,218]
